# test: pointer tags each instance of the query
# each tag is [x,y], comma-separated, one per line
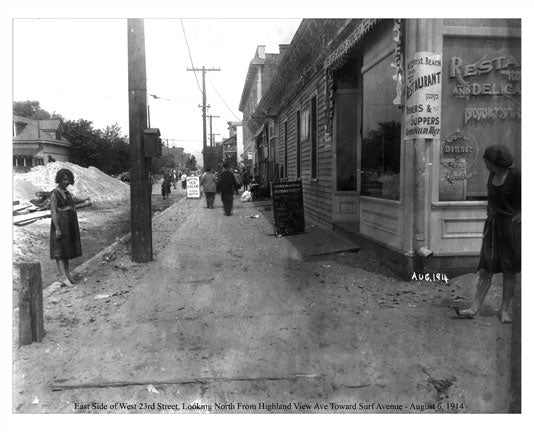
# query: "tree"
[84,140]
[191,163]
[33,110]
[105,150]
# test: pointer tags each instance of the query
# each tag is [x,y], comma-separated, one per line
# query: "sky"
[82,70]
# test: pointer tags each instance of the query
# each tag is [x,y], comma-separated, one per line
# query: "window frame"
[314,135]
[298,146]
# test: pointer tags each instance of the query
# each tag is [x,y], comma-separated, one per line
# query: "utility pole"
[140,184]
[211,132]
[204,70]
[213,137]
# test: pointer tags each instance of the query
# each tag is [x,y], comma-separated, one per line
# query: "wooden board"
[20,207]
[22,219]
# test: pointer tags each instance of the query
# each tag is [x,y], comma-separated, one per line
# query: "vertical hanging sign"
[423,96]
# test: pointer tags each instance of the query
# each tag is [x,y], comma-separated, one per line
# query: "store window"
[298,143]
[272,141]
[381,142]
[313,127]
[285,149]
[481,94]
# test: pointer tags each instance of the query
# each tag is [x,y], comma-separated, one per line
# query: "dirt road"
[229,318]
[100,225]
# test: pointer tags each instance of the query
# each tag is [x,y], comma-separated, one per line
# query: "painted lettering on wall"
[423,96]
[481,103]
[491,113]
[460,145]
[459,153]
[505,78]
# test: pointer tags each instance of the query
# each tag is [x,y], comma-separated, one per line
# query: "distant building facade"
[236,129]
[260,72]
[38,142]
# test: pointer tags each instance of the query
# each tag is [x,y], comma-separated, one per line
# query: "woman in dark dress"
[501,243]
[64,231]
[166,187]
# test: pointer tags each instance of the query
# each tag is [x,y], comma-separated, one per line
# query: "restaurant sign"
[423,96]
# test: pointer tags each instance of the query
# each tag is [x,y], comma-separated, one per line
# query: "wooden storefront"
[385,122]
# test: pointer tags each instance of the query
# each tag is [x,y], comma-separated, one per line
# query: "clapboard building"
[385,122]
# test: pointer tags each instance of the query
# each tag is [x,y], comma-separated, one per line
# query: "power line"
[167,99]
[184,140]
[189,51]
[214,88]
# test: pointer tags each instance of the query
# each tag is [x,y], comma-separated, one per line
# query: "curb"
[98,256]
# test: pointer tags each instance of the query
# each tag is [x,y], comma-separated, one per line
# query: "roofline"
[43,141]
[251,74]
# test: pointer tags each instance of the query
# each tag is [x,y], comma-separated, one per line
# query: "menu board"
[288,208]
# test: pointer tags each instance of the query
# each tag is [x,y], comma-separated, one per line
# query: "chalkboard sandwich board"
[288,208]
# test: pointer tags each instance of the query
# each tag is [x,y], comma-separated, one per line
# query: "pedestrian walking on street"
[246,180]
[238,181]
[184,181]
[174,178]
[227,185]
[166,187]
[501,243]
[65,240]
[209,183]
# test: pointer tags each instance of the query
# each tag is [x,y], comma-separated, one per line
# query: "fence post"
[31,322]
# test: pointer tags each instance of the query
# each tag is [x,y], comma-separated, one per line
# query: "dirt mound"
[90,182]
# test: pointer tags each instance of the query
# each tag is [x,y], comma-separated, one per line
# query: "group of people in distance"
[227,183]
[501,242]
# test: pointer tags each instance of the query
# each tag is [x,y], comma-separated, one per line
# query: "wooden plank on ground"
[31,216]
[31,322]
[24,219]
[20,207]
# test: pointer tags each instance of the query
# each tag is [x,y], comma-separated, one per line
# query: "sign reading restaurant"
[423,96]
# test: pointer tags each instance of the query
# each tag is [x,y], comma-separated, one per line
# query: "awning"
[337,57]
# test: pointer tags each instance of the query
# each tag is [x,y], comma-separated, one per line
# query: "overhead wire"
[223,101]
[167,99]
[190,56]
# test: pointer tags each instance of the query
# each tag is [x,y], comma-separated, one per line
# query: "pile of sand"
[88,182]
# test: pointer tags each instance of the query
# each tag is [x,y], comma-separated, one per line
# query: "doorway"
[347,142]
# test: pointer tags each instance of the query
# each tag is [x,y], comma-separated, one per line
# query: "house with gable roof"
[38,142]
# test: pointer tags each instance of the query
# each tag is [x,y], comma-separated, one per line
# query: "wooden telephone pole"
[140,184]
[204,106]
[211,126]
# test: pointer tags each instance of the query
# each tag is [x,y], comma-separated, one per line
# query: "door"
[347,142]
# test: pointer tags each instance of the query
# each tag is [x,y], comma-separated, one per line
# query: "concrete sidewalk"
[315,241]
[229,318]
